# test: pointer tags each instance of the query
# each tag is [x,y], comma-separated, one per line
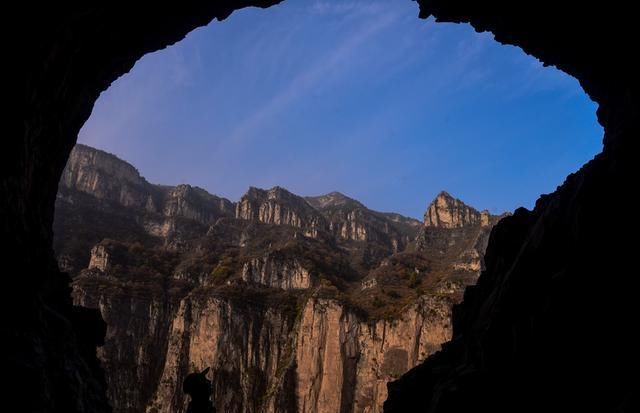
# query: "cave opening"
[458,81]
[522,336]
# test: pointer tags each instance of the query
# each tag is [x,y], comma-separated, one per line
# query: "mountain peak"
[278,192]
[278,206]
[444,194]
[446,211]
[332,199]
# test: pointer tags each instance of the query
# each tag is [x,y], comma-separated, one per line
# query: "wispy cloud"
[329,66]
[180,69]
[542,79]
[344,7]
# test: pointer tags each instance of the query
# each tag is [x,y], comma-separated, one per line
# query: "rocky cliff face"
[350,220]
[96,187]
[299,356]
[457,230]
[448,212]
[280,207]
[343,363]
[109,179]
[192,203]
[297,305]
[105,177]
[273,272]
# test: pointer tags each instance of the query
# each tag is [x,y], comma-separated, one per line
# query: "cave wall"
[557,291]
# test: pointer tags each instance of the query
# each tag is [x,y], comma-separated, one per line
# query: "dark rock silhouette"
[198,387]
[553,316]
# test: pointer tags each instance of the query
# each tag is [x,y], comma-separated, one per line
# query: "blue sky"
[360,97]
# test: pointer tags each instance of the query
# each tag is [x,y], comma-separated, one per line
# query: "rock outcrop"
[99,258]
[448,212]
[280,207]
[350,220]
[455,229]
[190,202]
[272,271]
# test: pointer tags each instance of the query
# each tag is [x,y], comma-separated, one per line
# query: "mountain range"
[298,304]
